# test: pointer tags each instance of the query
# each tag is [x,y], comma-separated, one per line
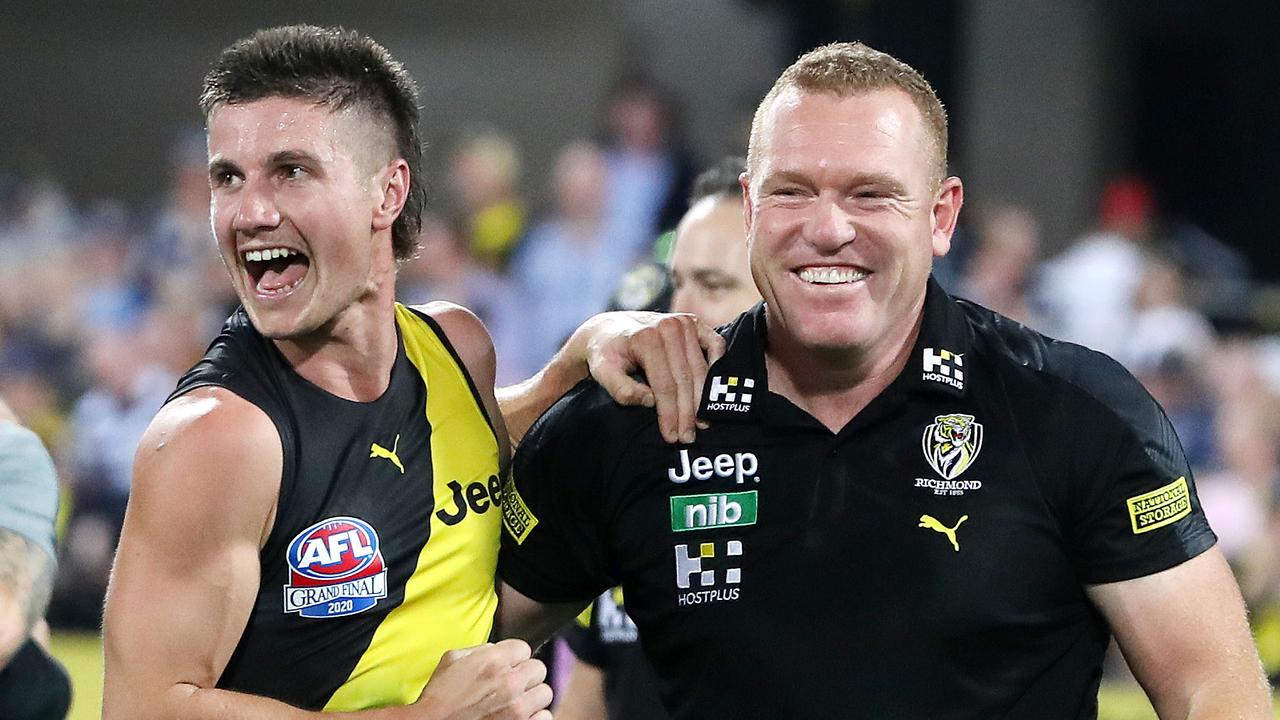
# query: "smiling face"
[301,211]
[844,220]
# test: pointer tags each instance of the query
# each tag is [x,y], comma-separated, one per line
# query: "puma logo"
[929,521]
[377,451]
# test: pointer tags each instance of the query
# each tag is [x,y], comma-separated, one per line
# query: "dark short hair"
[337,68]
[719,180]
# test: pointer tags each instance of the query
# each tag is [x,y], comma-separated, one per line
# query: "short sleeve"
[552,538]
[1131,496]
[28,487]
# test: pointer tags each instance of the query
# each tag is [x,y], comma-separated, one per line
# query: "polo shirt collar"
[737,384]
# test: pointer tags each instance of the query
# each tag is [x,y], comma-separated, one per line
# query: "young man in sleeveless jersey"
[313,523]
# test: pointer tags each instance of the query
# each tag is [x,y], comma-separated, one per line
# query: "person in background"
[33,686]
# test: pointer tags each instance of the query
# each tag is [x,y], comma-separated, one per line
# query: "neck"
[835,385]
[353,354]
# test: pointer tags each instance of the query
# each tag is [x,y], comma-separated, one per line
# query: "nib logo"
[700,512]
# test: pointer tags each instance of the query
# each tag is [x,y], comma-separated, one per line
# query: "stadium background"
[1157,123]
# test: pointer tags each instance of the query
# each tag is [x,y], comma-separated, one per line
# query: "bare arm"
[26,568]
[204,491]
[26,576]
[1184,634]
[530,620]
[583,695]
[205,482]
[668,349]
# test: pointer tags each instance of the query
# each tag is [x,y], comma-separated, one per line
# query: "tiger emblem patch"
[952,443]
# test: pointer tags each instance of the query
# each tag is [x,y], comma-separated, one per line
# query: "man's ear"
[945,214]
[394,189]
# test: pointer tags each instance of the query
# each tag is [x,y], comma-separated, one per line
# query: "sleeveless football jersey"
[385,540]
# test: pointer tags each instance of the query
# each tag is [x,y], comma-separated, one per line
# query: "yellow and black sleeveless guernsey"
[385,541]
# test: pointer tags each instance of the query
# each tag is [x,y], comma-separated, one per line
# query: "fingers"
[668,350]
[512,651]
[495,681]
[710,340]
[533,672]
[713,345]
[534,702]
[621,386]
[664,358]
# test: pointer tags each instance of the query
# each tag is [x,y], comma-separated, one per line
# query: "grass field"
[82,654]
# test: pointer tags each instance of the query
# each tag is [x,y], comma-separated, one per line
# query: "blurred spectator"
[649,174]
[1001,269]
[1090,288]
[179,239]
[126,389]
[486,174]
[107,294]
[570,263]
[39,220]
[1168,348]
[445,270]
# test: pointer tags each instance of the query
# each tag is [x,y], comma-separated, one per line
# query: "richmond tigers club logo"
[952,443]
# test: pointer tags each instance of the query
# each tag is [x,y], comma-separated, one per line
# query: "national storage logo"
[716,510]
[1160,507]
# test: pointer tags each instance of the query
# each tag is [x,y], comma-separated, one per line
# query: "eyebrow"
[711,275]
[868,178]
[219,165]
[286,157]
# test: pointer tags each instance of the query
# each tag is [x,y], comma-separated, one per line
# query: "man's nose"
[682,300]
[831,226]
[257,211]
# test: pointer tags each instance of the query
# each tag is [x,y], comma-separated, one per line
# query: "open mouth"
[837,275]
[275,271]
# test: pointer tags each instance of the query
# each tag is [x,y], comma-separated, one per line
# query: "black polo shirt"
[927,561]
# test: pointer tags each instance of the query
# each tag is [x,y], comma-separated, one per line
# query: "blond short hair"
[846,69]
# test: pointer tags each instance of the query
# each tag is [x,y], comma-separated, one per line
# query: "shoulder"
[586,422]
[208,454]
[466,333]
[1083,385]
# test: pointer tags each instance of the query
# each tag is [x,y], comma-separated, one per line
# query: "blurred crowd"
[103,306]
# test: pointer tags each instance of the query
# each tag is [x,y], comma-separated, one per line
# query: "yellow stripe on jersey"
[450,600]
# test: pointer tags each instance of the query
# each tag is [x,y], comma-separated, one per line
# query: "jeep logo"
[739,466]
[478,496]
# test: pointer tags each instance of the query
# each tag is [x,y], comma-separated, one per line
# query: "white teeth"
[268,254]
[831,275]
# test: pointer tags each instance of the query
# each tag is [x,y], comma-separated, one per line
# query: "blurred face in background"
[709,265]
[580,180]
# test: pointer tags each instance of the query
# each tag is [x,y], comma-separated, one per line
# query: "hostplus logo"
[945,367]
[730,392]
[716,575]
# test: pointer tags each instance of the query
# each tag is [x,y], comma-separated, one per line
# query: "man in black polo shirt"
[906,506]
